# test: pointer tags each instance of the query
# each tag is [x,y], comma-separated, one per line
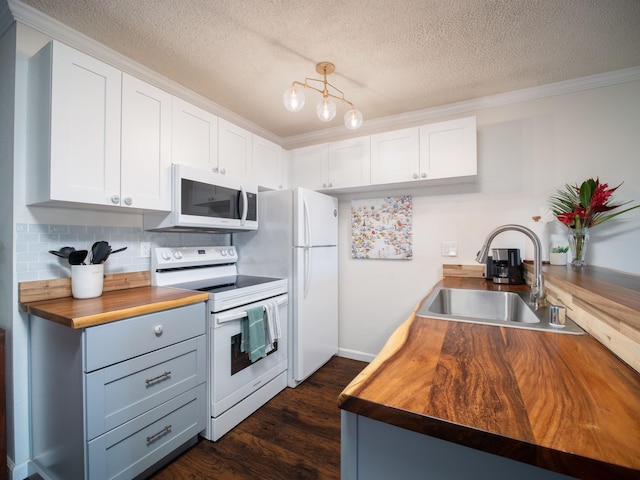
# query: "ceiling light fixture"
[293,98]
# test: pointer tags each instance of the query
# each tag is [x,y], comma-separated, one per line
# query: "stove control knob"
[232,252]
[223,252]
[165,255]
[177,255]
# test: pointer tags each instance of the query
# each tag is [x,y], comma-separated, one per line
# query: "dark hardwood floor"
[296,435]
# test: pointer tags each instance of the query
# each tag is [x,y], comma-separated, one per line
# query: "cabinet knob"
[330,184]
[423,175]
[158,330]
[324,185]
[415,176]
[115,199]
[215,169]
[128,201]
[223,171]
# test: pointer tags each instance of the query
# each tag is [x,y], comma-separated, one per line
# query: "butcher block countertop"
[124,296]
[558,401]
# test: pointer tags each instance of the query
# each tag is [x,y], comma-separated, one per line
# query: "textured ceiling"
[391,56]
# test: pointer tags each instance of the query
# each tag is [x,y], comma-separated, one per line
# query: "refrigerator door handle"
[307,271]
[307,222]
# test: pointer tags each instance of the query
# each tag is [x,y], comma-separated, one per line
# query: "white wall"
[526,151]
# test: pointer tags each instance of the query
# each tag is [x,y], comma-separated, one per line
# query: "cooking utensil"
[63,252]
[113,251]
[99,252]
[78,257]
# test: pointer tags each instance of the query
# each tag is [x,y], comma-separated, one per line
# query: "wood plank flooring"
[296,435]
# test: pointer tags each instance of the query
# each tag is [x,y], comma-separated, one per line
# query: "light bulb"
[326,109]
[353,119]
[293,99]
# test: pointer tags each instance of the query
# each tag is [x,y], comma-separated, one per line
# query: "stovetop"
[212,270]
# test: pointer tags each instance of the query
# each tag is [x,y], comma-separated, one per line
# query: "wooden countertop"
[111,305]
[558,401]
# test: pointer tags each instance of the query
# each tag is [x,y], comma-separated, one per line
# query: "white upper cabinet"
[195,136]
[146,146]
[448,149]
[74,114]
[309,166]
[76,108]
[349,163]
[269,164]
[235,150]
[395,156]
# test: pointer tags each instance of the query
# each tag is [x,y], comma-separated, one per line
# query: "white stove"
[237,385]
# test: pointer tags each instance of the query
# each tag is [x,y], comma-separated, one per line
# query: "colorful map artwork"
[381,228]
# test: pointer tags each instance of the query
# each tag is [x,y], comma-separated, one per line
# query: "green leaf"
[586,191]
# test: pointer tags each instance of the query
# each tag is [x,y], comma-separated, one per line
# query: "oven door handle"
[230,317]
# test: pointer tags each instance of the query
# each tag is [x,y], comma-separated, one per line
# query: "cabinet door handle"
[115,199]
[162,376]
[155,436]
[223,171]
[128,201]
[415,176]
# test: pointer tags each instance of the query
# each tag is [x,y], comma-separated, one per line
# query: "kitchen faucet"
[538,294]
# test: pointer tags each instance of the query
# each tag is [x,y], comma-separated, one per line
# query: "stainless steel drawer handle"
[155,436]
[162,376]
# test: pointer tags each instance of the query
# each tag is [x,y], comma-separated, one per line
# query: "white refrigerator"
[297,238]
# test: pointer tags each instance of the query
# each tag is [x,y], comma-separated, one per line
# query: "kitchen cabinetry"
[308,166]
[341,164]
[145,162]
[269,164]
[110,401]
[235,150]
[77,150]
[448,149]
[395,156]
[349,163]
[195,136]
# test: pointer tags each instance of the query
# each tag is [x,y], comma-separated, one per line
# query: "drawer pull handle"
[158,330]
[155,436]
[162,376]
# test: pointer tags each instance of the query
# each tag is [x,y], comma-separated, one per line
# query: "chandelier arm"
[322,92]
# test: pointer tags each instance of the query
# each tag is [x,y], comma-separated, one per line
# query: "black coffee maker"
[505,266]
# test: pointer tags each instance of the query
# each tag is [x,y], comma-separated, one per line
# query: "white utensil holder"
[87,280]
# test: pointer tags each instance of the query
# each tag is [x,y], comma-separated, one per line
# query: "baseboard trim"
[355,355]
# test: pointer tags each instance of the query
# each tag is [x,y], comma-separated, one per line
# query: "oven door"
[233,376]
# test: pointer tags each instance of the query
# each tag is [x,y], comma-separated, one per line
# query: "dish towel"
[273,328]
[253,338]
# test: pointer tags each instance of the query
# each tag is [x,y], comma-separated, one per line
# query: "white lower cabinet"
[111,401]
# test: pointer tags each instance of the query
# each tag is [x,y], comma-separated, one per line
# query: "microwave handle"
[244,205]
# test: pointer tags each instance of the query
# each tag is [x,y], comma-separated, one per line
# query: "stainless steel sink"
[507,309]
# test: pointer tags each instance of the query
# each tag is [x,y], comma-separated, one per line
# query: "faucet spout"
[538,294]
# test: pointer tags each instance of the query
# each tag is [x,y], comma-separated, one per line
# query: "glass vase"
[578,241]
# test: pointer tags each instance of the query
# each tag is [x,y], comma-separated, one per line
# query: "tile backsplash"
[33,242]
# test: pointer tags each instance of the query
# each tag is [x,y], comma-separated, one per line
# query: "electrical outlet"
[449,249]
[145,249]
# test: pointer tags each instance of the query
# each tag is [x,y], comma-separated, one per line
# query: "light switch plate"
[449,249]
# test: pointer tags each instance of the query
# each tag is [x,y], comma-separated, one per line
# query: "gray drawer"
[130,449]
[118,341]
[118,393]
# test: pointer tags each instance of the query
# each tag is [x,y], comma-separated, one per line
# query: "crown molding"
[517,96]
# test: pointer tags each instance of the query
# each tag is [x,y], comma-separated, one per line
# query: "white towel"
[273,329]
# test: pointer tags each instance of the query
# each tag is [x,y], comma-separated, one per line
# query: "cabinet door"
[194,136]
[448,149]
[395,156]
[235,150]
[309,167]
[349,163]
[85,127]
[268,164]
[146,146]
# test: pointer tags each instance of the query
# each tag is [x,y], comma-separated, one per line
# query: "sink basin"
[507,309]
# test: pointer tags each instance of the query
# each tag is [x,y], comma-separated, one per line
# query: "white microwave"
[203,201]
